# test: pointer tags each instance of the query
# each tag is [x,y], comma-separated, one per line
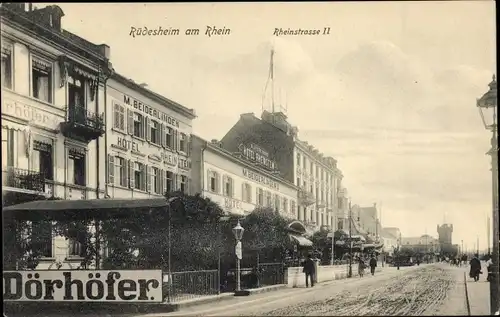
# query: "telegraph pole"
[350,240]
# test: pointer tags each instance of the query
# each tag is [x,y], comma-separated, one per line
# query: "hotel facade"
[147,141]
[241,181]
[316,176]
[53,101]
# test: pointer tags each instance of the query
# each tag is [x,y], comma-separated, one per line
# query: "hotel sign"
[230,204]
[261,179]
[128,145]
[160,115]
[258,155]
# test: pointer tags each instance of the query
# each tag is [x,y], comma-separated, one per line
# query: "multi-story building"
[367,218]
[343,208]
[317,176]
[390,242]
[147,141]
[422,244]
[239,182]
[53,100]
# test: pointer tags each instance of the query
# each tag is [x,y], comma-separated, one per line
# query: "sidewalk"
[479,296]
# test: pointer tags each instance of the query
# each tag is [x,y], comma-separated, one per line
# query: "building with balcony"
[316,175]
[241,181]
[53,103]
[147,141]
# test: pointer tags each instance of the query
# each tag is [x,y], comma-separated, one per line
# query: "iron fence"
[271,274]
[190,284]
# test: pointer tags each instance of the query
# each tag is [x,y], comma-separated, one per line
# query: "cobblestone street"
[412,291]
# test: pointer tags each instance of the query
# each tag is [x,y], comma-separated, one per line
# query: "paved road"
[411,291]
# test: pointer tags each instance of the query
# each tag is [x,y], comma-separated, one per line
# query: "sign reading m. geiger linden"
[83,286]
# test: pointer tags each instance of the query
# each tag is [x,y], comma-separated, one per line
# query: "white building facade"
[53,102]
[148,142]
[319,180]
[238,185]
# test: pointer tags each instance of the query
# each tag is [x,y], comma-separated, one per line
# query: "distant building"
[317,176]
[445,232]
[236,183]
[367,218]
[422,244]
[390,242]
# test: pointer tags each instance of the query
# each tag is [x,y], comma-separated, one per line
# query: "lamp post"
[238,234]
[349,274]
[487,106]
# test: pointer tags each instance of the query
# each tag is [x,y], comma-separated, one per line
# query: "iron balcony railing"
[23,179]
[82,116]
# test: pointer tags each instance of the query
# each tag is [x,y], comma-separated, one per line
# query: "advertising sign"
[83,286]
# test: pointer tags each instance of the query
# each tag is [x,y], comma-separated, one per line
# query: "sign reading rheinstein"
[83,286]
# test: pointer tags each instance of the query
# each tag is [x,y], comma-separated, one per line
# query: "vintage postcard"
[305,158]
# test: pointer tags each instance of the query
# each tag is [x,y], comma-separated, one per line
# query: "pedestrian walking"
[475,268]
[361,267]
[309,270]
[373,264]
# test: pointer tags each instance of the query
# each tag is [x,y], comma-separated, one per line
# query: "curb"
[467,302]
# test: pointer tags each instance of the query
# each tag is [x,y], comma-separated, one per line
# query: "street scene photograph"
[249,159]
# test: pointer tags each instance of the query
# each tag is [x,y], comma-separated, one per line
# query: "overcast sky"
[390,92]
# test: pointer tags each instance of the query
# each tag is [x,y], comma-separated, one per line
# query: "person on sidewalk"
[373,264]
[475,267]
[309,270]
[361,266]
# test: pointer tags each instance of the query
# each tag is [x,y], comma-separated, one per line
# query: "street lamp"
[349,274]
[238,234]
[487,106]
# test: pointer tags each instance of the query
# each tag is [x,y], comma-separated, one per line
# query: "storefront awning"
[302,241]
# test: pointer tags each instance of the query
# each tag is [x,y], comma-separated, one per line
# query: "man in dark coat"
[309,270]
[373,264]
[475,267]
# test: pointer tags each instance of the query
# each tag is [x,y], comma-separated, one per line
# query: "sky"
[390,92]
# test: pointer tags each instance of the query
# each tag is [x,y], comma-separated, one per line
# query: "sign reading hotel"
[157,114]
[256,154]
[261,179]
[128,145]
[83,286]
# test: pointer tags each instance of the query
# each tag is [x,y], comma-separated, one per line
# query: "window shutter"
[217,183]
[177,182]
[147,126]
[149,171]
[163,135]
[257,196]
[124,176]
[144,174]
[232,187]
[164,176]
[188,145]
[130,122]
[209,183]
[131,174]
[188,185]
[243,193]
[111,169]
[177,140]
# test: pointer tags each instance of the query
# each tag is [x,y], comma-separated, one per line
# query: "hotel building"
[316,176]
[240,181]
[147,141]
[53,101]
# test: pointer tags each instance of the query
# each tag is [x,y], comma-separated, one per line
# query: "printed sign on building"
[83,286]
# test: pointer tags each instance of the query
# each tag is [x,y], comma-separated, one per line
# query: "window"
[139,176]
[42,159]
[155,180]
[169,137]
[285,205]
[213,181]
[138,125]
[304,162]
[298,181]
[340,224]
[277,200]
[228,186]
[41,75]
[312,168]
[7,67]
[260,197]
[42,236]
[317,171]
[75,248]
[247,193]
[298,159]
[292,207]
[76,167]
[119,117]
[76,95]
[169,180]
[340,205]
[155,132]
[183,143]
[269,199]
[120,171]
[183,184]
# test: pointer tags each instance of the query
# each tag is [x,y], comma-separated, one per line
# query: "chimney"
[105,50]
[143,85]
[30,6]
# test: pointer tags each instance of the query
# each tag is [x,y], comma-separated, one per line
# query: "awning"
[301,240]
[83,209]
